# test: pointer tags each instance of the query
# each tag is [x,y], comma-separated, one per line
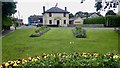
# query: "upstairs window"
[50,14]
[64,14]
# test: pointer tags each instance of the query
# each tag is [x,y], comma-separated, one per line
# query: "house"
[93,15]
[55,16]
[76,21]
[35,19]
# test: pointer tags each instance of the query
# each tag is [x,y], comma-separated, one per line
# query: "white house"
[93,15]
[76,21]
[55,16]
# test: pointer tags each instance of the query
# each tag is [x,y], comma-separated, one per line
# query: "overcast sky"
[31,7]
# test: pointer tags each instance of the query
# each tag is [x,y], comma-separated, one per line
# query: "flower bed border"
[41,33]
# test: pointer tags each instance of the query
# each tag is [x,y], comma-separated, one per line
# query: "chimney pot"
[65,8]
[43,9]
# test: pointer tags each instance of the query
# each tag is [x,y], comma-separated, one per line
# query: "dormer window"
[64,14]
[50,14]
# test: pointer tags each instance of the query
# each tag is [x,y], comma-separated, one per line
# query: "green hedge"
[113,20]
[97,20]
[109,20]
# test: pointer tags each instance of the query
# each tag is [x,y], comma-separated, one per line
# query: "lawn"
[19,45]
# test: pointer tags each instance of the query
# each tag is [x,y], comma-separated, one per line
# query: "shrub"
[97,20]
[79,32]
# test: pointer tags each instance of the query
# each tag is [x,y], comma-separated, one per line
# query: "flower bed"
[79,32]
[40,31]
[64,60]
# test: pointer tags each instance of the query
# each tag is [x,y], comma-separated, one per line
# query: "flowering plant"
[75,59]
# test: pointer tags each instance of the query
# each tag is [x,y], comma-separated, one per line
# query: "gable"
[78,19]
[94,15]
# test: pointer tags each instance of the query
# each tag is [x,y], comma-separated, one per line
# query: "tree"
[108,4]
[79,14]
[8,8]
[71,15]
[110,12]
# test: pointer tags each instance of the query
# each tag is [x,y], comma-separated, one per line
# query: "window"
[50,14]
[50,21]
[64,14]
[64,21]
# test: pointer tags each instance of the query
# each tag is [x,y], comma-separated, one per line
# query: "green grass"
[19,45]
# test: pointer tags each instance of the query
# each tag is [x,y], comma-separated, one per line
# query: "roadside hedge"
[97,20]
[108,21]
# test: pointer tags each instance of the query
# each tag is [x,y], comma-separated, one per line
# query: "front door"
[58,22]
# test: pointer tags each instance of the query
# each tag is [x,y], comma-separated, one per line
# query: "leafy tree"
[79,14]
[98,6]
[110,12]
[108,4]
[8,8]
[71,15]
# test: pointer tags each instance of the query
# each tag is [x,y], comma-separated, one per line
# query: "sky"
[26,8]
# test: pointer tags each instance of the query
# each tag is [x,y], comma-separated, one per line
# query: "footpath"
[3,33]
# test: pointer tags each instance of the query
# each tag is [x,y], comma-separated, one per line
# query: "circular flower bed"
[76,59]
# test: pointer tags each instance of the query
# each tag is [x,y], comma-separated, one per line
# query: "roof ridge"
[56,10]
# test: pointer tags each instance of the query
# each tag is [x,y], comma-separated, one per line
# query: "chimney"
[65,8]
[43,9]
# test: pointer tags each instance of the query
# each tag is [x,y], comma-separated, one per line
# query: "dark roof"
[36,16]
[72,19]
[94,13]
[55,10]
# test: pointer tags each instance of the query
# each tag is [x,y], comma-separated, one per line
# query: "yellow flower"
[6,64]
[115,57]
[33,59]
[12,62]
[29,58]
[1,66]
[23,62]
[45,56]
[36,59]
[15,64]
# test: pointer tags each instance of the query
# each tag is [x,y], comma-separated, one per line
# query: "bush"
[112,20]
[65,60]
[79,32]
[97,20]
